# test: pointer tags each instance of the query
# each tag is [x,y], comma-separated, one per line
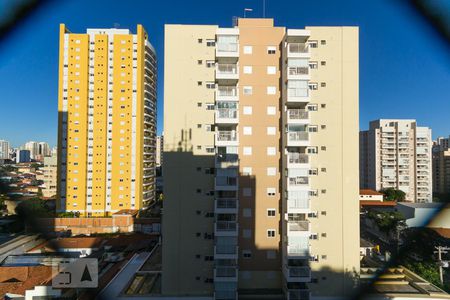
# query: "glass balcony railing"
[298,181]
[226,249]
[226,136]
[299,271]
[227,47]
[295,136]
[298,158]
[295,48]
[226,181]
[226,91]
[226,113]
[226,225]
[226,203]
[298,225]
[221,271]
[297,114]
[302,203]
[227,69]
[297,92]
[298,70]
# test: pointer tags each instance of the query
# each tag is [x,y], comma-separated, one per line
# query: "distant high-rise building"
[44,149]
[107,121]
[441,167]
[4,149]
[159,150]
[50,176]
[397,154]
[23,156]
[260,161]
[33,147]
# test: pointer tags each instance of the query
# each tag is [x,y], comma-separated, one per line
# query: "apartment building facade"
[50,171]
[260,176]
[397,154]
[441,168]
[107,120]
[4,149]
[159,150]
[33,147]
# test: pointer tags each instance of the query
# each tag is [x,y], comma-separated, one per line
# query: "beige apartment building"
[397,154]
[50,176]
[107,121]
[441,168]
[260,161]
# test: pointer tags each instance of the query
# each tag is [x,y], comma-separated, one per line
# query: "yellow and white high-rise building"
[107,121]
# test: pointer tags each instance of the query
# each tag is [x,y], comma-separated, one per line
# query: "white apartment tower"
[4,149]
[260,161]
[397,154]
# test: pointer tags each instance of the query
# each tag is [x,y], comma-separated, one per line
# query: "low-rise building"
[418,214]
[370,195]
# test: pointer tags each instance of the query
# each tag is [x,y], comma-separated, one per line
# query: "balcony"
[226,138]
[297,251]
[295,160]
[227,45]
[227,93]
[298,183]
[297,274]
[298,94]
[226,116]
[298,203]
[298,138]
[297,116]
[298,228]
[226,228]
[227,72]
[300,50]
[298,294]
[225,273]
[226,183]
[226,205]
[299,70]
[226,160]
[225,251]
[225,295]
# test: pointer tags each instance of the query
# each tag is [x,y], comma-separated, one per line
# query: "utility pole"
[441,250]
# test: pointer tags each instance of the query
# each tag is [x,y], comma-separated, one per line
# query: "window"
[210,106]
[247,192]
[247,90]
[312,44]
[271,151]
[200,41]
[271,130]
[271,110]
[247,212]
[313,86]
[199,83]
[199,62]
[248,69]
[199,104]
[247,150]
[323,42]
[324,148]
[271,70]
[210,85]
[323,84]
[247,110]
[323,105]
[312,128]
[248,49]
[313,172]
[271,171]
[199,125]
[246,254]
[247,233]
[246,171]
[271,212]
[323,126]
[247,130]
[323,63]
[270,233]
[210,43]
[312,107]
[271,191]
[271,90]
[313,64]
[210,63]
[271,49]
[312,150]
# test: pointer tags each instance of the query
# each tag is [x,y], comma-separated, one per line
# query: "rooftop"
[432,205]
[369,192]
[20,279]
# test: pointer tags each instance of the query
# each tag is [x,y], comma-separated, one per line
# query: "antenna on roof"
[116,25]
[246,10]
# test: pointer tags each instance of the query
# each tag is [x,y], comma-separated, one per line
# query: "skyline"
[405,36]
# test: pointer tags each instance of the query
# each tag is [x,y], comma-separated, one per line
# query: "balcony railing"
[227,158]
[226,181]
[298,225]
[299,271]
[298,48]
[228,69]
[297,136]
[298,203]
[227,113]
[299,180]
[297,114]
[298,70]
[227,47]
[221,271]
[226,136]
[226,203]
[298,158]
[226,91]
[298,295]
[226,249]
[226,225]
[297,92]
[296,250]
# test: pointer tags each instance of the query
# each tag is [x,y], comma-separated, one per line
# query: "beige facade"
[159,150]
[441,168]
[107,121]
[50,171]
[397,154]
[260,178]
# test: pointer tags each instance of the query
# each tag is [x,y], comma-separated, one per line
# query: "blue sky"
[404,67]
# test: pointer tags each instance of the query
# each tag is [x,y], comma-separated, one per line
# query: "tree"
[391,194]
[387,221]
[33,208]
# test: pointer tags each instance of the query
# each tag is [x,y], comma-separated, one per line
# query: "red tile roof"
[377,203]
[369,192]
[19,279]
